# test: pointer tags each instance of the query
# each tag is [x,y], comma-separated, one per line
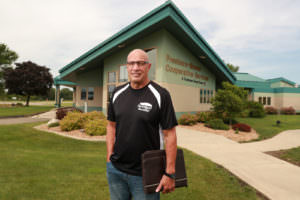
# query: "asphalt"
[275,178]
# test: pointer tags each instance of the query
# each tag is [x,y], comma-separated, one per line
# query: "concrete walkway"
[36,118]
[277,179]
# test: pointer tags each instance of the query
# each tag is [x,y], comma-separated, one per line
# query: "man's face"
[138,67]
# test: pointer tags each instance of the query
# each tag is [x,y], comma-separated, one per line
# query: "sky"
[262,37]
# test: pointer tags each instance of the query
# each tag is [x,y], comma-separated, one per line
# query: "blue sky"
[260,36]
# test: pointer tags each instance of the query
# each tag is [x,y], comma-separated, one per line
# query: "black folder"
[153,168]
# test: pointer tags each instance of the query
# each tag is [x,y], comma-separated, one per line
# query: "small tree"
[229,101]
[7,57]
[28,79]
[232,67]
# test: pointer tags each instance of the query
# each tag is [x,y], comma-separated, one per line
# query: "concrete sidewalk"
[277,179]
[36,118]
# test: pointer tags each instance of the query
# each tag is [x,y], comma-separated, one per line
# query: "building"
[276,92]
[182,61]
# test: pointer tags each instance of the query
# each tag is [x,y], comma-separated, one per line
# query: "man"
[140,117]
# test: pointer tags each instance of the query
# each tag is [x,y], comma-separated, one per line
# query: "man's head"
[138,66]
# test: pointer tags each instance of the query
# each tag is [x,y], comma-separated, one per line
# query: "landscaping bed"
[230,134]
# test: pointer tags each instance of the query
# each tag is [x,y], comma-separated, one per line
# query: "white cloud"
[53,33]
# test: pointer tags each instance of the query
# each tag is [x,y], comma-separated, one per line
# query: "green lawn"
[15,111]
[266,127]
[40,165]
[290,155]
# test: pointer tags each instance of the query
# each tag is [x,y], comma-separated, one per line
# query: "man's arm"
[167,183]
[110,138]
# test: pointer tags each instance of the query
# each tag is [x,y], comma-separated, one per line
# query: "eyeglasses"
[139,63]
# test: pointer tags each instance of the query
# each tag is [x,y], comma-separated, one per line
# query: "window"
[260,100]
[110,90]
[83,94]
[201,96]
[204,99]
[111,77]
[152,59]
[269,100]
[123,74]
[90,93]
[264,100]
[208,96]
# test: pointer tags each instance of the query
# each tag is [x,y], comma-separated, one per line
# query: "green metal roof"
[247,77]
[279,79]
[58,81]
[166,16]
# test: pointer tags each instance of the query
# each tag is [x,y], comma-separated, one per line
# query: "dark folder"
[153,166]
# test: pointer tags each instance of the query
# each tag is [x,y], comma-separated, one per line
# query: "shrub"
[62,112]
[288,110]
[245,113]
[255,109]
[204,116]
[95,127]
[94,115]
[217,124]
[54,124]
[187,119]
[271,110]
[241,127]
[227,121]
[72,121]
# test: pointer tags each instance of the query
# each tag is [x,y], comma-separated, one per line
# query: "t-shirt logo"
[144,106]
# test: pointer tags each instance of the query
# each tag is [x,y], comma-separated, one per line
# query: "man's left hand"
[167,184]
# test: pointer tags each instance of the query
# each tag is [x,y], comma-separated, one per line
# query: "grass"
[266,127]
[41,165]
[290,155]
[16,111]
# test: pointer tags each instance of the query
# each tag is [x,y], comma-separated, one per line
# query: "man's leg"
[118,186]
[137,190]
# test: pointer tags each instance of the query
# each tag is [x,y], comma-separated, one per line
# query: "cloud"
[53,33]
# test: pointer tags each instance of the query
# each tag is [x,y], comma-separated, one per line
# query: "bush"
[217,124]
[54,124]
[227,121]
[94,115]
[255,109]
[288,110]
[95,127]
[72,121]
[187,119]
[204,116]
[62,112]
[271,110]
[241,127]
[245,113]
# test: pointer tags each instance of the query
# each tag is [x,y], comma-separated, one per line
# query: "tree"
[232,67]
[28,79]
[229,101]
[7,57]
[66,94]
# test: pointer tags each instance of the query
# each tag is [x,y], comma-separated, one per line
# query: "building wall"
[274,99]
[291,99]
[114,62]
[183,75]
[96,102]
[281,84]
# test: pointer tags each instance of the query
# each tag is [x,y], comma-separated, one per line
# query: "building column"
[57,97]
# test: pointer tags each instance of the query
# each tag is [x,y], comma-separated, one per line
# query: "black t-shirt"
[140,116]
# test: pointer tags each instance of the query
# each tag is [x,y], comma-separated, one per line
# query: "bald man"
[140,117]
